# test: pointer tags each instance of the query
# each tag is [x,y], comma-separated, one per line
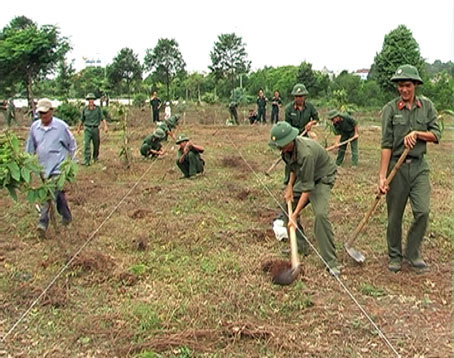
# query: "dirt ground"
[173,267]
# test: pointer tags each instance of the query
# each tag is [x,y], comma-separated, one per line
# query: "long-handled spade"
[328,149]
[283,274]
[355,254]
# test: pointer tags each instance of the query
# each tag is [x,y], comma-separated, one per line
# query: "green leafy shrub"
[69,112]
[139,100]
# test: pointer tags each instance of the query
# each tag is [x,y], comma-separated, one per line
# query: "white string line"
[381,334]
[63,269]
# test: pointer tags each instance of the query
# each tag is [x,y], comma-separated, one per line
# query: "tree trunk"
[29,89]
[168,86]
[198,93]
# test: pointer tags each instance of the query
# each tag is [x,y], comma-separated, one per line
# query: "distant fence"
[23,103]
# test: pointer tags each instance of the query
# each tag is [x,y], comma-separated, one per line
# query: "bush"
[210,98]
[139,100]
[69,112]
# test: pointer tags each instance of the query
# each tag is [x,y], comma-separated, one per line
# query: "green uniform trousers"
[261,115]
[411,181]
[234,115]
[10,117]
[91,134]
[192,164]
[343,148]
[319,200]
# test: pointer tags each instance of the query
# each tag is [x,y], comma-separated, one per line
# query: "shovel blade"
[355,255]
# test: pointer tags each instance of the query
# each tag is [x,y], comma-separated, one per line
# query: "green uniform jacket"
[275,102]
[261,102]
[311,164]
[155,102]
[299,119]
[398,121]
[91,117]
[150,142]
[346,127]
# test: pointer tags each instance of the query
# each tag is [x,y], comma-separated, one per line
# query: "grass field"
[175,271]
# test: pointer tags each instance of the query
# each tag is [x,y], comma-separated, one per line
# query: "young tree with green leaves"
[399,48]
[29,52]
[165,61]
[124,71]
[229,58]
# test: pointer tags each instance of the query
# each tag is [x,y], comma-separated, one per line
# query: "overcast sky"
[344,34]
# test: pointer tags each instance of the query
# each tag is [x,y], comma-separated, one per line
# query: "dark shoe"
[334,271]
[394,265]
[41,228]
[418,265]
[66,222]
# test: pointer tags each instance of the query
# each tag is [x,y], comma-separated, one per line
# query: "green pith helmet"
[182,138]
[159,133]
[299,90]
[164,126]
[407,73]
[171,123]
[90,96]
[282,134]
[333,114]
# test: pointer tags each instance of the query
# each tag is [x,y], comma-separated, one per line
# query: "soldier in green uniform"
[312,175]
[167,126]
[345,127]
[91,118]
[155,103]
[408,121]
[261,107]
[188,157]
[151,145]
[275,105]
[300,114]
[233,112]
[11,112]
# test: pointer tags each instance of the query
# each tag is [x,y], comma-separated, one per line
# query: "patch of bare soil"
[93,261]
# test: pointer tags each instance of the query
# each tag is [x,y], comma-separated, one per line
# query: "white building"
[362,73]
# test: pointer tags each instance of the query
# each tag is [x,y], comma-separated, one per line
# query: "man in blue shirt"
[52,141]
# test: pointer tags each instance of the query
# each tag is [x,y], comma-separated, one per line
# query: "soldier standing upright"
[90,119]
[408,121]
[275,105]
[155,103]
[261,107]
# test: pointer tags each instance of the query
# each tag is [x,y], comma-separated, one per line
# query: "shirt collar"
[303,106]
[401,104]
[50,126]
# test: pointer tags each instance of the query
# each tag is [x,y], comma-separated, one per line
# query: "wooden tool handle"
[340,144]
[389,178]
[293,245]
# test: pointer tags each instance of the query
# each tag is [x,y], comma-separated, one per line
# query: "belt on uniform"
[410,159]
[91,126]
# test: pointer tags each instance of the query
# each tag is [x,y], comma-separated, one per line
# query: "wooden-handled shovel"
[288,274]
[355,254]
[328,149]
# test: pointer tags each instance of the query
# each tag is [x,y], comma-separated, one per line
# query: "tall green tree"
[229,57]
[124,71]
[29,52]
[399,48]
[90,79]
[64,79]
[165,61]
[306,76]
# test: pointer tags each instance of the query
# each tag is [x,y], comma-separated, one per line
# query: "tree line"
[33,63]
